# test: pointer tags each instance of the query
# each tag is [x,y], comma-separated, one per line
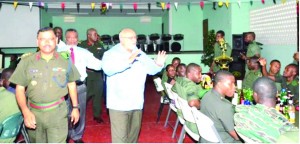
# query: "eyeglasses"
[131,38]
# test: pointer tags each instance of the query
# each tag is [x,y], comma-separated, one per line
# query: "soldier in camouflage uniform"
[187,88]
[47,78]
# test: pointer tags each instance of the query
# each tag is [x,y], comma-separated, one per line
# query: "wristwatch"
[77,106]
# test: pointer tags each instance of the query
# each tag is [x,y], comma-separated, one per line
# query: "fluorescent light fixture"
[80,13]
[135,13]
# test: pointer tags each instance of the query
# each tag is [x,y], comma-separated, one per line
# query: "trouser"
[95,90]
[51,125]
[76,131]
[125,125]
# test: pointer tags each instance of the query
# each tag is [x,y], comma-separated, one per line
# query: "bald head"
[193,72]
[265,90]
[128,39]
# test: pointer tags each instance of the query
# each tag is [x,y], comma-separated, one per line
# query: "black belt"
[79,83]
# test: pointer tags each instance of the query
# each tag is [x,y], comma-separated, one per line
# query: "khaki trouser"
[51,125]
[125,125]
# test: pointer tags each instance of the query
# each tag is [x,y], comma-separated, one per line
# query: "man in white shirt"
[81,58]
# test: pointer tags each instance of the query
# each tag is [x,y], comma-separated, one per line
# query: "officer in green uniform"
[253,73]
[95,78]
[8,107]
[218,51]
[219,109]
[47,78]
[252,49]
[187,89]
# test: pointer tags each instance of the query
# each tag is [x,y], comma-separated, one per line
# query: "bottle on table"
[291,111]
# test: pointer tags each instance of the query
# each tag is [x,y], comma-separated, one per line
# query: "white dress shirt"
[83,59]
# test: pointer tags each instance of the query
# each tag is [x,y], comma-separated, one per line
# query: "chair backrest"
[186,110]
[206,126]
[158,85]
[11,126]
[169,90]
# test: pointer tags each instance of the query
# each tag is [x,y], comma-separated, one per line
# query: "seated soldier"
[175,62]
[253,73]
[8,107]
[262,123]
[181,70]
[289,80]
[187,89]
[219,109]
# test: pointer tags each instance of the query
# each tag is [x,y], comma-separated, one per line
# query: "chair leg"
[168,115]
[159,111]
[181,137]
[175,128]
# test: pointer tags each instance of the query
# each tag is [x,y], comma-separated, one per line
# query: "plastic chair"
[188,116]
[11,126]
[179,118]
[163,99]
[206,126]
[172,107]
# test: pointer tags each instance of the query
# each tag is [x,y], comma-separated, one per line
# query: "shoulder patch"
[65,54]
[26,55]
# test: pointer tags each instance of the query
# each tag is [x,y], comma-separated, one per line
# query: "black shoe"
[78,141]
[98,120]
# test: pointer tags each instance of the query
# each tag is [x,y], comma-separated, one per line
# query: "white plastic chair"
[206,126]
[188,116]
[160,89]
[172,107]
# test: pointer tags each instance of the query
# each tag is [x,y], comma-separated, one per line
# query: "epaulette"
[79,42]
[65,54]
[26,55]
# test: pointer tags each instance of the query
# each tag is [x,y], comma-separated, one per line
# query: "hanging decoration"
[202,4]
[220,3]
[40,4]
[63,6]
[214,5]
[283,1]
[263,1]
[239,3]
[227,3]
[168,6]
[78,7]
[30,5]
[251,2]
[121,7]
[149,7]
[15,4]
[103,8]
[135,6]
[274,1]
[162,4]
[176,5]
[46,7]
[189,6]
[93,6]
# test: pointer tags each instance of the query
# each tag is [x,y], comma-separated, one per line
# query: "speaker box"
[237,42]
[237,69]
[237,66]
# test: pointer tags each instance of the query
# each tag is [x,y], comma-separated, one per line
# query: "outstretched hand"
[262,61]
[161,58]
